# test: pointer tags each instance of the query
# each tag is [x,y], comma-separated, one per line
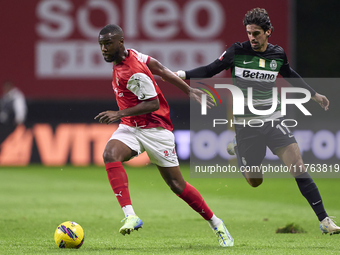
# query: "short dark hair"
[111,28]
[258,17]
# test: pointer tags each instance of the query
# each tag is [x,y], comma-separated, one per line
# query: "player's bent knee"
[109,156]
[298,167]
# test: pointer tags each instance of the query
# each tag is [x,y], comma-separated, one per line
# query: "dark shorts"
[252,141]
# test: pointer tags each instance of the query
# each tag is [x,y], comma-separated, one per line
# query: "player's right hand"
[196,94]
[108,117]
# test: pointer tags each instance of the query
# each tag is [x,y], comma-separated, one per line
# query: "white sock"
[214,222]
[128,210]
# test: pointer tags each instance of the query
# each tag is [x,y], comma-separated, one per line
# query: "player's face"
[111,47]
[258,38]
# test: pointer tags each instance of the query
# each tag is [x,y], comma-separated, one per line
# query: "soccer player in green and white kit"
[256,63]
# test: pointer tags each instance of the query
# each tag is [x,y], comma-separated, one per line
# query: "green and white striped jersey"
[258,70]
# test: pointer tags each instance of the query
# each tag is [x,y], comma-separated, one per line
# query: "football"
[69,235]
[230,147]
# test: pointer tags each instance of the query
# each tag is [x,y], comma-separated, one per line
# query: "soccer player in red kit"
[145,126]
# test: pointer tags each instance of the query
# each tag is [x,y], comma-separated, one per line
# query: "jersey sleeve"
[142,86]
[227,57]
[224,62]
[293,77]
[145,58]
[285,69]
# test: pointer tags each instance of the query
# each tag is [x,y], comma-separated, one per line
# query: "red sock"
[196,201]
[119,182]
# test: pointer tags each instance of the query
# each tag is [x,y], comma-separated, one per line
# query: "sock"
[128,210]
[119,182]
[310,191]
[214,222]
[196,201]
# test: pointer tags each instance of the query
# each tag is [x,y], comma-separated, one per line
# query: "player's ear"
[121,40]
[268,33]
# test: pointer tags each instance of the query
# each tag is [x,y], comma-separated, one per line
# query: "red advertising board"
[49,47]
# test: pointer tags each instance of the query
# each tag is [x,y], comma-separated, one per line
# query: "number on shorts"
[282,130]
[168,153]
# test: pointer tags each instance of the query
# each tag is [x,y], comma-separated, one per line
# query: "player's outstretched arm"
[287,72]
[158,69]
[139,109]
[321,100]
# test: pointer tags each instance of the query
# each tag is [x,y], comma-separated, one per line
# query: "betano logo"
[204,97]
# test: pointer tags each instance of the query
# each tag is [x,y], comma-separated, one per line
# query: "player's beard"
[111,58]
[255,46]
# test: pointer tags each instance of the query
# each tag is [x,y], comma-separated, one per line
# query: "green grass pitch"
[34,200]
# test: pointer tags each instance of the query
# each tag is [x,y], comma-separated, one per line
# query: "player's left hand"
[196,94]
[108,117]
[321,100]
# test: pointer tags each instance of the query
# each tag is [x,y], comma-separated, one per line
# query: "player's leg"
[250,150]
[291,157]
[174,179]
[282,142]
[159,143]
[254,179]
[116,152]
[252,173]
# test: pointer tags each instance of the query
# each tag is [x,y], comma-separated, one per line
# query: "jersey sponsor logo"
[255,74]
[258,75]
[141,85]
[247,62]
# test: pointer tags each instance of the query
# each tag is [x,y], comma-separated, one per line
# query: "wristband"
[181,74]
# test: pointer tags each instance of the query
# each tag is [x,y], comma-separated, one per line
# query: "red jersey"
[133,83]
